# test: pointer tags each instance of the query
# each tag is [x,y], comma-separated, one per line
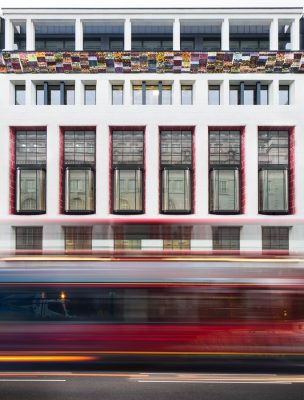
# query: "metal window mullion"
[61,93]
[242,90]
[45,93]
[160,92]
[258,93]
[144,92]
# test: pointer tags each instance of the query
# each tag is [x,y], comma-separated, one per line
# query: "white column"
[128,34]
[176,34]
[176,93]
[225,34]
[102,192]
[225,92]
[251,169]
[201,170]
[127,98]
[9,35]
[274,35]
[151,173]
[53,170]
[79,92]
[30,35]
[78,35]
[295,35]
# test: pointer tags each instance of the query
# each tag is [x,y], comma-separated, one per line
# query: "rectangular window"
[187,94]
[117,95]
[248,94]
[90,95]
[30,172]
[176,171]
[214,95]
[78,238]
[127,170]
[20,95]
[55,94]
[152,94]
[226,238]
[176,244]
[284,95]
[275,238]
[28,238]
[79,171]
[273,171]
[224,171]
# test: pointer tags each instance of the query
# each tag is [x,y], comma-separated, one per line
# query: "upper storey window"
[55,94]
[152,35]
[248,93]
[284,35]
[19,35]
[54,35]
[249,36]
[152,93]
[200,35]
[103,35]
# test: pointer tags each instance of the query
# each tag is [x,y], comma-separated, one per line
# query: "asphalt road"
[148,385]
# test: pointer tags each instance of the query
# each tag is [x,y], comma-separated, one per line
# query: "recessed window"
[187,94]
[90,95]
[78,238]
[275,238]
[127,170]
[248,94]
[176,171]
[226,238]
[274,171]
[55,94]
[117,95]
[20,95]
[224,171]
[284,95]
[79,171]
[131,244]
[28,238]
[214,95]
[30,172]
[152,94]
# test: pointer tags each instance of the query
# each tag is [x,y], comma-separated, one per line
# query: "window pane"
[284,95]
[224,147]
[78,238]
[249,95]
[275,238]
[273,148]
[186,94]
[264,95]
[31,147]
[176,148]
[128,147]
[79,147]
[79,190]
[137,95]
[176,190]
[127,186]
[39,95]
[30,196]
[90,95]
[117,95]
[224,191]
[54,95]
[127,244]
[273,190]
[234,95]
[166,94]
[28,238]
[214,95]
[152,94]
[176,244]
[226,238]
[69,95]
[20,95]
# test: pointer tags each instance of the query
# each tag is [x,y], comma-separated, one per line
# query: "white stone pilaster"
[225,34]
[201,170]
[274,35]
[295,35]
[78,35]
[102,170]
[128,34]
[30,35]
[176,34]
[9,35]
[251,169]
[53,170]
[153,185]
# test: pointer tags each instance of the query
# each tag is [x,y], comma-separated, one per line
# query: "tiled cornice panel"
[154,62]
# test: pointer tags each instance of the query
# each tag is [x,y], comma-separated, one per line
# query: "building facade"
[156,130]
